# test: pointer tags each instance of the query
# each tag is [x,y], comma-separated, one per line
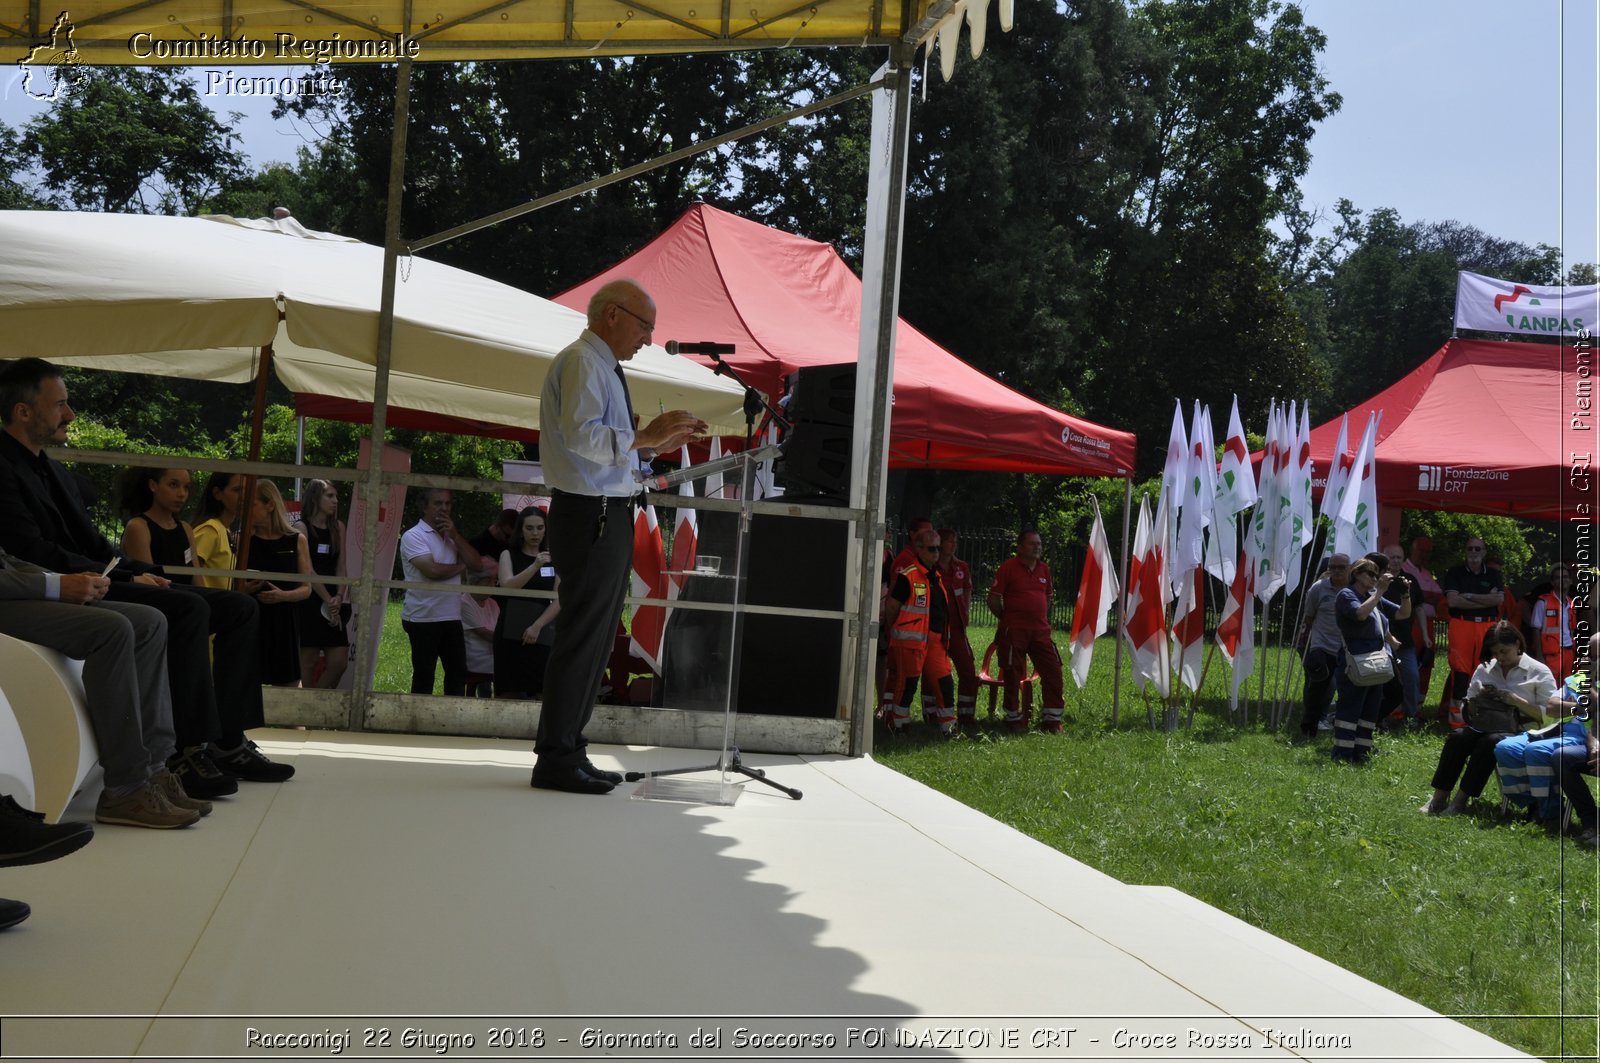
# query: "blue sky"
[1481,111]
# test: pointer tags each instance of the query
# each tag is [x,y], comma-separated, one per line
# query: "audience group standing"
[1509,707]
[926,603]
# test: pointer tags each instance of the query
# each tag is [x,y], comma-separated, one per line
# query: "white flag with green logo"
[1264,518]
[1235,493]
[1355,528]
[1300,504]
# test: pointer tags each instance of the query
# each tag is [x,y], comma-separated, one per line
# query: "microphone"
[705,347]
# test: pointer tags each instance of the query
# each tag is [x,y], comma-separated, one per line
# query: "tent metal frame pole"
[697,148]
[873,471]
[370,597]
[258,416]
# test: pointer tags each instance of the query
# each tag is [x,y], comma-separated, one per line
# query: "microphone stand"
[754,402]
[730,760]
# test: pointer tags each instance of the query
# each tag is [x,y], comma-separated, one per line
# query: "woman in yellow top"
[213,537]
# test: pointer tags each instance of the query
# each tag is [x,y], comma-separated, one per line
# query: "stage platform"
[404,894]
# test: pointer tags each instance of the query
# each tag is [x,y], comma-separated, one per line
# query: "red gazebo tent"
[787,302]
[1484,426]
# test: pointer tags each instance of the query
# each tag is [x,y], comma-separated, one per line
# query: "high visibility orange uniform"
[1557,622]
[915,650]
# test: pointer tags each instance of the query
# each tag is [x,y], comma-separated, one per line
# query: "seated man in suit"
[216,686]
[123,649]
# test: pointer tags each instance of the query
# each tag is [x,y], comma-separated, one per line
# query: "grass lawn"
[1486,920]
[393,673]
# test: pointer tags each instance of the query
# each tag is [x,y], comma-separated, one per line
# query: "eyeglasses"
[1475,549]
[649,326]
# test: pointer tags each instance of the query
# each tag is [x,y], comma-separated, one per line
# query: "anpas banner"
[1489,304]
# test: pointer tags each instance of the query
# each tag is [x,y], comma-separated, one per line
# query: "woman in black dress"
[276,547]
[151,501]
[324,615]
[524,634]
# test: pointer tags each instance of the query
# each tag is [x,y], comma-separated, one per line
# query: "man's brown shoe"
[175,794]
[145,807]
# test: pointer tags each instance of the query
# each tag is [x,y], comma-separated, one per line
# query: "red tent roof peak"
[788,302]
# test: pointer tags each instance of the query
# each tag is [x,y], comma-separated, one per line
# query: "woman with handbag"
[1366,662]
[1507,688]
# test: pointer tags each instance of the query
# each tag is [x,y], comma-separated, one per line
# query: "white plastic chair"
[41,699]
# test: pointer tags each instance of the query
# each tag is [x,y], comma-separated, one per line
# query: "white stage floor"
[403,883]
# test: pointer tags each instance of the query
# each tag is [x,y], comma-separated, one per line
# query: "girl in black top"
[324,615]
[152,499]
[276,547]
[524,634]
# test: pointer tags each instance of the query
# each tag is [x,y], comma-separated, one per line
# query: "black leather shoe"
[12,913]
[199,775]
[25,838]
[571,779]
[612,777]
[250,764]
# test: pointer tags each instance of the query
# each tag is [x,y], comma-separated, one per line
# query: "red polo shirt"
[1026,594]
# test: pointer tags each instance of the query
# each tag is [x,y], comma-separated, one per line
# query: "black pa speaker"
[825,394]
[788,665]
[816,452]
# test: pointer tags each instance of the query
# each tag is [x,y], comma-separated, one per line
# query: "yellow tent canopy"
[234,32]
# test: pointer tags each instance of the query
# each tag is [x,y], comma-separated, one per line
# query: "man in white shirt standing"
[592,456]
[434,551]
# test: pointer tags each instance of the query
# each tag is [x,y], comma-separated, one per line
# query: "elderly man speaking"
[592,456]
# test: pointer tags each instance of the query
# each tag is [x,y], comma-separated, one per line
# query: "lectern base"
[688,791]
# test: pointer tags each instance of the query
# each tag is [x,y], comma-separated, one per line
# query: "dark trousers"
[216,682]
[436,642]
[1570,765]
[591,541]
[1471,749]
[1319,689]
[519,668]
[1355,719]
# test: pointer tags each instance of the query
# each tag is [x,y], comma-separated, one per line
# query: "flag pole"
[1299,619]
[1205,667]
[1122,609]
[1261,680]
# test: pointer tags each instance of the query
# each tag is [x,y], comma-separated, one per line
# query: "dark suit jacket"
[35,528]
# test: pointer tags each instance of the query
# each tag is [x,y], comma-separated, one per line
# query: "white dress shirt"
[585,434]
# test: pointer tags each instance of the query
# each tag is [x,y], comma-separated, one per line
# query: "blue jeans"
[1405,669]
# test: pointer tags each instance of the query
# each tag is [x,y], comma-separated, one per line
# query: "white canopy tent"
[198,298]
